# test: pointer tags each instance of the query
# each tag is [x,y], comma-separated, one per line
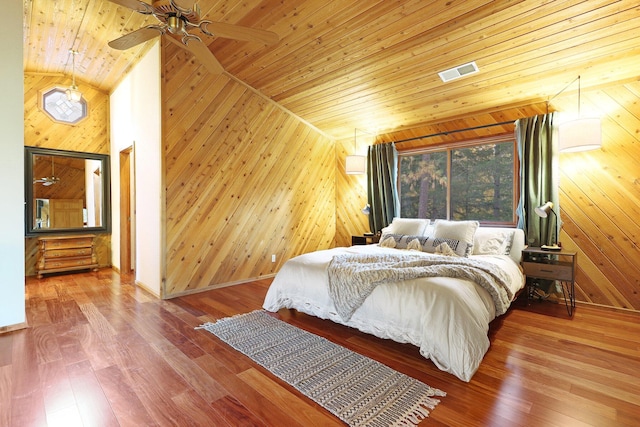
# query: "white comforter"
[447,318]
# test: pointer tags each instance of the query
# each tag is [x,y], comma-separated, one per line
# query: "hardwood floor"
[101,352]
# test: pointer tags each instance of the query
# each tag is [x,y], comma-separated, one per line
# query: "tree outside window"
[471,182]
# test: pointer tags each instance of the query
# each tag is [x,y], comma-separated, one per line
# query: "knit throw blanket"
[352,277]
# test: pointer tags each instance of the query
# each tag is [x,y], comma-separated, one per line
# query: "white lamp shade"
[580,135]
[356,165]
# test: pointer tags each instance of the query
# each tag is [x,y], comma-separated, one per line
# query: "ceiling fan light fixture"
[175,24]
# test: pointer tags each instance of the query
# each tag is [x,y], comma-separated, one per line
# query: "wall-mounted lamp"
[73,94]
[543,212]
[355,164]
[581,134]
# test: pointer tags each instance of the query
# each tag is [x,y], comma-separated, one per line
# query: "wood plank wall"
[600,200]
[90,135]
[599,191]
[244,180]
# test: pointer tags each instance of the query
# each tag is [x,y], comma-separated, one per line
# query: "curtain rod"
[453,131]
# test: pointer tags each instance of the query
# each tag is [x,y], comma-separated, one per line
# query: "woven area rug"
[358,390]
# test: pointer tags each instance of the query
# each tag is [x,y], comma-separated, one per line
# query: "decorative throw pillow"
[426,244]
[388,241]
[407,226]
[447,247]
[462,231]
[402,241]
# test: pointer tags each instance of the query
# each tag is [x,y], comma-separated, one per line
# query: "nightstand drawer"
[557,271]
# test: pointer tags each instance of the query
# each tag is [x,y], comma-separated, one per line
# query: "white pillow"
[495,243]
[407,226]
[463,231]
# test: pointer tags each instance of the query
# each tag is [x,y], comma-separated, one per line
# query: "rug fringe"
[419,412]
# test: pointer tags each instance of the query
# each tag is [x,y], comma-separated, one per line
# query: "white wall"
[91,195]
[12,305]
[136,120]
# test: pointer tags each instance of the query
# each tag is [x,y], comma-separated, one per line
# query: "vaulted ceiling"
[368,64]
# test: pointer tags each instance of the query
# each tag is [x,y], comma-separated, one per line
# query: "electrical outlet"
[273,257]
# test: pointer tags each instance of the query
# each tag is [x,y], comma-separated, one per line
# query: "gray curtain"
[537,151]
[382,191]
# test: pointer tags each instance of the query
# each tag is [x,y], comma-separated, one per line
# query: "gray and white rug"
[358,390]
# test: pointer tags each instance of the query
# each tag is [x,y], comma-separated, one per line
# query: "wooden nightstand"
[552,265]
[365,239]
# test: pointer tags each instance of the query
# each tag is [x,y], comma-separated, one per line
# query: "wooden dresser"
[66,253]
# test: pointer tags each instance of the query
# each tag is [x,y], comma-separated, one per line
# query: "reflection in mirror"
[66,191]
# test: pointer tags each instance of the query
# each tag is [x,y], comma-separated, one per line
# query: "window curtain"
[538,154]
[382,191]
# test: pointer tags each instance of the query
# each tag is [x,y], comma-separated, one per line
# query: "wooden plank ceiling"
[368,64]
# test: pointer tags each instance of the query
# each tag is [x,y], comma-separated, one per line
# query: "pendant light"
[73,94]
[581,134]
[355,164]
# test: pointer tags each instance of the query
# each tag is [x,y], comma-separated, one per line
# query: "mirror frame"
[30,229]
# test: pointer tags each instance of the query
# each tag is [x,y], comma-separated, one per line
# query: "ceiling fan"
[48,180]
[176,20]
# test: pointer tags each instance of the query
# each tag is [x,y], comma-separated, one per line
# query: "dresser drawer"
[553,271]
[66,253]
[76,242]
[55,264]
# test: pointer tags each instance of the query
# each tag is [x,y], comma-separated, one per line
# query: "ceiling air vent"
[459,71]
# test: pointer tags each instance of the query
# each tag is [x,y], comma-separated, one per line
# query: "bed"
[414,298]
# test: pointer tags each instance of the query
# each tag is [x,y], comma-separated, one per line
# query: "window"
[60,109]
[474,180]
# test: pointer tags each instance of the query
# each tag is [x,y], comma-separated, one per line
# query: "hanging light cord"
[73,67]
[565,88]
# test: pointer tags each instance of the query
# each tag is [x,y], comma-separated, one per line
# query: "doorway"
[127,211]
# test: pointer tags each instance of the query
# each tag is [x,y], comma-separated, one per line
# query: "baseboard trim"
[219,285]
[146,288]
[11,328]
[606,307]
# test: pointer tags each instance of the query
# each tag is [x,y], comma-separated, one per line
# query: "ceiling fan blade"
[238,32]
[204,55]
[137,5]
[136,37]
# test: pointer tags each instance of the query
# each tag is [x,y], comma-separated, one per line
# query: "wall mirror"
[66,192]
